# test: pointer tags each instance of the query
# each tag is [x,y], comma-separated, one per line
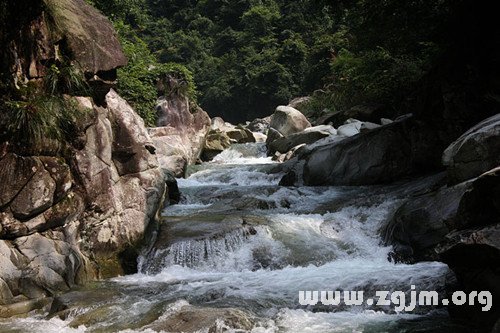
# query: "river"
[238,248]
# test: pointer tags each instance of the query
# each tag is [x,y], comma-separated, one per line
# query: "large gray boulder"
[475,152]
[459,225]
[288,120]
[378,156]
[422,222]
[308,136]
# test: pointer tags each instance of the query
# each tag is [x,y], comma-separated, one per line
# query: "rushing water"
[239,241]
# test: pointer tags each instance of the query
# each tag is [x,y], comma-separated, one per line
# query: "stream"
[233,255]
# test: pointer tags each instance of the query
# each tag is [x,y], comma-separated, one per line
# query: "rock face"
[475,152]
[81,213]
[381,155]
[421,223]
[459,225]
[63,226]
[79,29]
[180,134]
[309,135]
[288,120]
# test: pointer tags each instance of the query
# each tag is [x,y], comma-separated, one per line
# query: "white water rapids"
[238,240]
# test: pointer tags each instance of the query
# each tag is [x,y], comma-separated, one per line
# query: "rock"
[192,319]
[287,120]
[385,154]
[174,195]
[259,137]
[241,135]
[460,226]
[259,125]
[385,121]
[298,102]
[217,123]
[75,28]
[273,135]
[381,155]
[131,151]
[475,152]
[215,143]
[180,138]
[23,307]
[350,129]
[480,206]
[82,26]
[36,196]
[422,222]
[367,126]
[308,136]
[15,173]
[474,257]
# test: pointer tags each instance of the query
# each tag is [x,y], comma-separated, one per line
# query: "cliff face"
[78,211]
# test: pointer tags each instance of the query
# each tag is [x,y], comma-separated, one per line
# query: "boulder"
[298,102]
[308,136]
[350,129]
[475,152]
[215,143]
[460,226]
[273,135]
[384,154]
[288,120]
[377,156]
[217,123]
[474,257]
[180,137]
[422,222]
[192,319]
[259,125]
[367,126]
[241,135]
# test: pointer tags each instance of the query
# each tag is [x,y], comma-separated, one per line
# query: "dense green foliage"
[247,56]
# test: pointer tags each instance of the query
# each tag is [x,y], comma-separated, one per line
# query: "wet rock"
[475,152]
[287,120]
[174,195]
[474,256]
[480,206]
[196,319]
[421,223]
[23,307]
[215,143]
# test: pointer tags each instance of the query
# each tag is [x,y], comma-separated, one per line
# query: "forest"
[240,59]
